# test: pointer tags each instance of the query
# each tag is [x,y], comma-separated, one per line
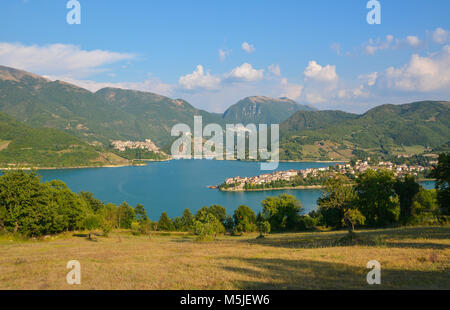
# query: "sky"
[213,53]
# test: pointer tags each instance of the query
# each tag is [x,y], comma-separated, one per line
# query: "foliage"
[165,223]
[208,227]
[442,174]
[406,189]
[244,219]
[282,212]
[377,199]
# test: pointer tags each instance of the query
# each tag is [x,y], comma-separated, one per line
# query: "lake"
[175,185]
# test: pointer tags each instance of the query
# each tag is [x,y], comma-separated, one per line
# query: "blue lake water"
[175,185]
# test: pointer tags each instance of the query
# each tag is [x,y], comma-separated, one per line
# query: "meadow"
[410,257]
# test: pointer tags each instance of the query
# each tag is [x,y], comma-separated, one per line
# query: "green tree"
[338,205]
[208,227]
[126,215]
[165,223]
[92,222]
[244,219]
[93,203]
[282,212]
[406,189]
[377,199]
[141,213]
[425,201]
[187,220]
[263,225]
[442,174]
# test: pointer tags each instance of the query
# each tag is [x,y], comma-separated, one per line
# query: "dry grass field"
[411,258]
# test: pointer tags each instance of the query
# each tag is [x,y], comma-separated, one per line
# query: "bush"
[306,223]
[135,228]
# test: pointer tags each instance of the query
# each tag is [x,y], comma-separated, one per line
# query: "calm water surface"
[175,185]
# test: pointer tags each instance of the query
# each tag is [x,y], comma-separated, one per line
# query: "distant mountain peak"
[15,75]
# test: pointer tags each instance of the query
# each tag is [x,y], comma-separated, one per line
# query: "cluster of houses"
[359,167]
[132,145]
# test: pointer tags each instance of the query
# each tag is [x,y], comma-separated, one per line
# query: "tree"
[141,213]
[406,189]
[208,227]
[187,220]
[244,219]
[425,201]
[377,199]
[93,203]
[442,174]
[282,212]
[263,225]
[165,223]
[126,215]
[92,222]
[219,212]
[338,204]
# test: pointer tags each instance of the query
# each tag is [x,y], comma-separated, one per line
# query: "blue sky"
[213,53]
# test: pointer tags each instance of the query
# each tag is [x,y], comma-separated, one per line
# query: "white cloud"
[413,41]
[440,36]
[370,79]
[275,70]
[314,71]
[248,47]
[223,54]
[58,59]
[373,46]
[291,91]
[246,72]
[199,79]
[422,74]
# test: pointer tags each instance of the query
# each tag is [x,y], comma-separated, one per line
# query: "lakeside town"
[315,177]
[132,145]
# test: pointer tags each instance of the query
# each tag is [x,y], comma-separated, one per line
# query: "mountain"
[262,110]
[385,130]
[24,146]
[97,118]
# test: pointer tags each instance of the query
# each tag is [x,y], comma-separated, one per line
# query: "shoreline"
[144,160]
[273,189]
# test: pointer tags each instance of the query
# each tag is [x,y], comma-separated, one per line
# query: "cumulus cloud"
[199,79]
[291,91]
[316,72]
[275,70]
[370,79]
[58,59]
[246,72]
[440,36]
[423,74]
[373,46]
[248,47]
[413,41]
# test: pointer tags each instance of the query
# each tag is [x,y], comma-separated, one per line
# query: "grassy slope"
[411,258]
[46,147]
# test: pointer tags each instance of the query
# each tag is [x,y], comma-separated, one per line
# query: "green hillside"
[384,130]
[23,146]
[109,114]
[262,110]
